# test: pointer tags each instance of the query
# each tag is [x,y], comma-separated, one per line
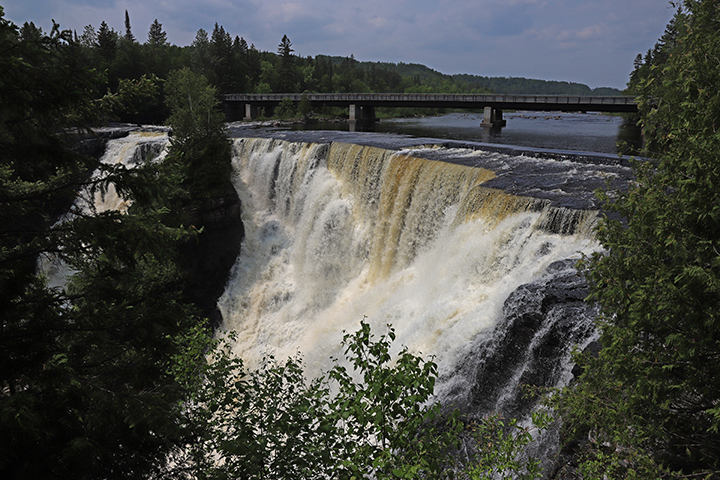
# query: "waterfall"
[480,278]
[127,151]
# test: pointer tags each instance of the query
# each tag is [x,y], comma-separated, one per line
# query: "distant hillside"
[512,85]
[519,85]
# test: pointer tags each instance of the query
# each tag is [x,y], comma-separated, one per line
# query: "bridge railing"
[379,98]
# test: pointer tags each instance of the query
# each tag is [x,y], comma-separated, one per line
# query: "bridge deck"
[567,103]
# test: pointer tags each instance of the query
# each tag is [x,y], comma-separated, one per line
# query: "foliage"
[286,108]
[200,155]
[370,416]
[84,388]
[500,443]
[385,424]
[304,107]
[654,391]
[273,423]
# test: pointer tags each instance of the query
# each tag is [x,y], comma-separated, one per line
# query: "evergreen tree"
[128,31]
[222,59]
[254,67]
[30,33]
[653,395]
[156,34]
[242,47]
[239,68]
[84,385]
[88,38]
[106,42]
[201,56]
[157,51]
[286,69]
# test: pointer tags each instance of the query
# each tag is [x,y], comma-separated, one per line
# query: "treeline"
[427,80]
[231,65]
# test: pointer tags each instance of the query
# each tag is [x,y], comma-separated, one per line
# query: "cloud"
[592,41]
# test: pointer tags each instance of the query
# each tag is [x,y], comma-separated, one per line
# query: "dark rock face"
[207,260]
[531,346]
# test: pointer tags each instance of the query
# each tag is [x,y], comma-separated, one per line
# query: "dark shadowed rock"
[208,259]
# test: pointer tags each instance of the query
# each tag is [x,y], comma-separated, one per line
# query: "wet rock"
[532,344]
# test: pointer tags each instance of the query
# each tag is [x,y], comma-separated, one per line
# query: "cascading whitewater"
[127,151]
[335,233]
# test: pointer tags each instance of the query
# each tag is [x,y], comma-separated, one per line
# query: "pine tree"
[157,55]
[201,56]
[88,38]
[286,69]
[156,34]
[222,58]
[128,31]
[106,42]
[243,47]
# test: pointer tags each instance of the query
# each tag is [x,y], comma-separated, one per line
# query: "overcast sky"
[587,41]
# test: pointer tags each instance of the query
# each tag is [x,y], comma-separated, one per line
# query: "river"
[580,132]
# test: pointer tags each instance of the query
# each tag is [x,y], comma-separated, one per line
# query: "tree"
[156,34]
[157,51]
[654,392]
[85,388]
[106,42]
[201,151]
[304,107]
[286,109]
[370,416]
[128,31]
[88,38]
[273,423]
[223,61]
[201,55]
[286,70]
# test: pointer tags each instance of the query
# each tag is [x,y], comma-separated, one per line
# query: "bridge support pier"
[251,112]
[361,117]
[355,112]
[358,112]
[493,118]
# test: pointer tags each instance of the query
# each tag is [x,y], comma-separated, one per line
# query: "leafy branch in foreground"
[370,417]
[500,442]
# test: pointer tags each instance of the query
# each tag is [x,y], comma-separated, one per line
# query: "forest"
[116,374]
[232,66]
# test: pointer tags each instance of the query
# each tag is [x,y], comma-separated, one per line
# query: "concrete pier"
[251,111]
[493,118]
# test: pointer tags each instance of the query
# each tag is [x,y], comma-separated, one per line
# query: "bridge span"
[362,106]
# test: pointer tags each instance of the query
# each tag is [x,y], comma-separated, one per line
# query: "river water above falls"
[469,254]
[579,132]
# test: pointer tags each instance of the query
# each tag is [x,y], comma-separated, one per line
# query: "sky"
[587,41]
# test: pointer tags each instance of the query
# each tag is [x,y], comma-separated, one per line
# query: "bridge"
[362,106]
